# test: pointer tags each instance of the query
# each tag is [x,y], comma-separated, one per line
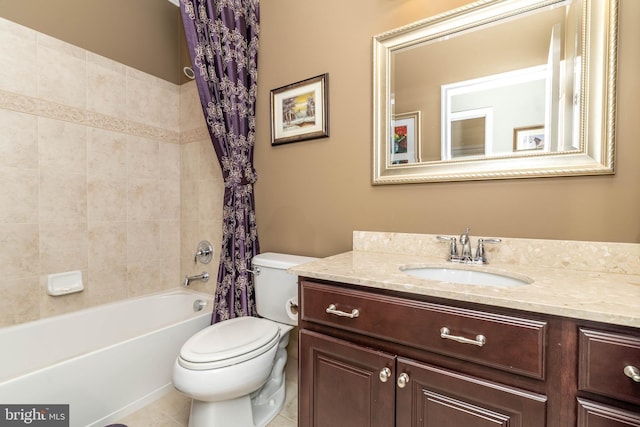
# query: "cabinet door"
[340,384]
[435,397]
[592,414]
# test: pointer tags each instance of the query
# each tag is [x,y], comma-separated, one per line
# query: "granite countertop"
[604,287]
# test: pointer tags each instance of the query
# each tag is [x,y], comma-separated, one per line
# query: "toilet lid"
[229,339]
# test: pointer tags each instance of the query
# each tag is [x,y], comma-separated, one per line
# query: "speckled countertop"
[596,281]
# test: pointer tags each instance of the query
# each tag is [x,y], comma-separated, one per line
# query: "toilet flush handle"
[255,271]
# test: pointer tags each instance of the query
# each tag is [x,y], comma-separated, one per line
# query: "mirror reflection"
[493,81]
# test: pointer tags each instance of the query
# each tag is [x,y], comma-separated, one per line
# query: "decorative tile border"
[52,110]
[194,135]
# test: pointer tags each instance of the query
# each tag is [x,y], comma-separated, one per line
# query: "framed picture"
[300,111]
[528,138]
[405,138]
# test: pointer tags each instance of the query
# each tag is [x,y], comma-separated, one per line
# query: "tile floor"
[172,410]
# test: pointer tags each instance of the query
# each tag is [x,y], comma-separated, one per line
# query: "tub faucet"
[188,279]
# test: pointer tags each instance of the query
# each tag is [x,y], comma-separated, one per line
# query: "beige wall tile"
[63,247]
[169,161]
[18,251]
[189,200]
[143,157]
[211,197]
[142,241]
[152,101]
[108,284]
[169,240]
[106,84]
[142,199]
[107,153]
[208,165]
[62,72]
[18,58]
[191,115]
[63,196]
[19,195]
[18,140]
[62,145]
[189,160]
[106,198]
[169,199]
[19,300]
[169,275]
[143,277]
[107,243]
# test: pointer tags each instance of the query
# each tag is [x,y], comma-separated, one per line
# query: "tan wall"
[311,195]
[144,34]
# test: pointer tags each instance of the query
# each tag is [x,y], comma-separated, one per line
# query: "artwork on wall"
[405,138]
[528,138]
[300,111]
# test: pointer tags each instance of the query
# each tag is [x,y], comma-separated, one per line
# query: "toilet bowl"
[234,370]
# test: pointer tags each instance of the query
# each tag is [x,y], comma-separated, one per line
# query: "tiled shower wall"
[99,163]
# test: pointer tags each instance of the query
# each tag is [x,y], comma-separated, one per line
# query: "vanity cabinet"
[377,359]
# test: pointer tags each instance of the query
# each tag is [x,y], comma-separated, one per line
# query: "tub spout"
[188,279]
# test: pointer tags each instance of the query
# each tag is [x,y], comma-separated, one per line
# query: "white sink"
[466,277]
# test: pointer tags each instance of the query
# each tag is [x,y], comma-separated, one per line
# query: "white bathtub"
[105,362]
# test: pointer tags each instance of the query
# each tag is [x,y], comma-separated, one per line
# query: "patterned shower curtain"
[222,36]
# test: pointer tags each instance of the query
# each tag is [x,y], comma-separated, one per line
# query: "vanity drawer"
[510,343]
[604,356]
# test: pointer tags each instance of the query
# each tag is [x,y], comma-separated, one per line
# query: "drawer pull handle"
[384,375]
[479,341]
[332,310]
[403,380]
[632,372]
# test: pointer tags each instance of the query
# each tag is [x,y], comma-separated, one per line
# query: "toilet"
[234,370]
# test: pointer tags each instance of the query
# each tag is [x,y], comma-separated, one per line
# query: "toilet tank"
[274,287]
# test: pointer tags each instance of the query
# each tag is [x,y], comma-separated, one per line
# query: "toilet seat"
[228,343]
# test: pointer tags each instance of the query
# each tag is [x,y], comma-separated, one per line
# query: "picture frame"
[405,138]
[529,138]
[300,111]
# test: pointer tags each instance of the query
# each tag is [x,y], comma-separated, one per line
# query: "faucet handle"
[480,251]
[453,249]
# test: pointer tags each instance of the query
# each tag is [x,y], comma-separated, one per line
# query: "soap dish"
[64,283]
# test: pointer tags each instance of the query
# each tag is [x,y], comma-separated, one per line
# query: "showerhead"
[188,71]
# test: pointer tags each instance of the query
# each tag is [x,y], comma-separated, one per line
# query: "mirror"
[497,89]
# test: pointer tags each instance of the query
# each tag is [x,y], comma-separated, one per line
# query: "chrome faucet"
[188,279]
[465,242]
[466,255]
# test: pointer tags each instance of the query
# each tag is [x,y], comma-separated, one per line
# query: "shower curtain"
[222,36]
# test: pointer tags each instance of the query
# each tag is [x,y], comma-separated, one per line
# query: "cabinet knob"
[632,372]
[403,380]
[384,375]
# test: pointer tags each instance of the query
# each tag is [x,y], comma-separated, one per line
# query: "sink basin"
[466,277]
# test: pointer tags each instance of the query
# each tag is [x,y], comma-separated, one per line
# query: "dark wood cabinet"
[370,357]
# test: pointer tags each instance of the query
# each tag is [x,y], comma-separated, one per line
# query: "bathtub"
[105,362]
